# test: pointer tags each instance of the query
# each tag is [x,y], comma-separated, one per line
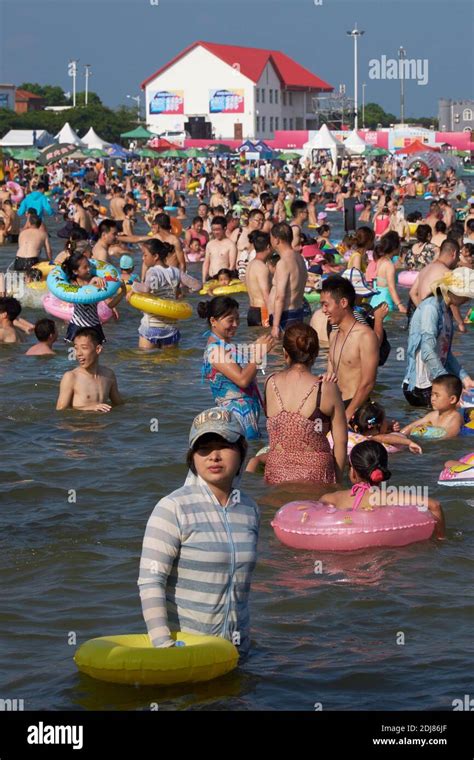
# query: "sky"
[125,41]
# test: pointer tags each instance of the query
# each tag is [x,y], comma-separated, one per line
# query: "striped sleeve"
[161,545]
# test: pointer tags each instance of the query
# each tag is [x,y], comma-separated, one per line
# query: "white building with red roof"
[231,92]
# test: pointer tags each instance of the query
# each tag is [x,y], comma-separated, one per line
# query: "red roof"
[25,95]
[252,62]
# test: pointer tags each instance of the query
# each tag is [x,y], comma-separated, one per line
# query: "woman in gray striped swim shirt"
[200,544]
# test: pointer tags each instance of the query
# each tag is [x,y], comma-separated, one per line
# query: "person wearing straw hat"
[430,338]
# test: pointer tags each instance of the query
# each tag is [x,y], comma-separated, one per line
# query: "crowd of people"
[264,227]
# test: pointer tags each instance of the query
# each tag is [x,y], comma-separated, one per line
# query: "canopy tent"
[92,141]
[117,151]
[195,152]
[372,152]
[288,155]
[147,153]
[67,135]
[139,133]
[159,143]
[247,147]
[416,147]
[174,153]
[26,138]
[24,154]
[354,144]
[323,141]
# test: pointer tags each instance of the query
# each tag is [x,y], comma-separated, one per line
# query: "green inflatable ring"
[313,297]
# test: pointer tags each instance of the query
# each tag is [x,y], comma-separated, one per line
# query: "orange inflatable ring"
[176,226]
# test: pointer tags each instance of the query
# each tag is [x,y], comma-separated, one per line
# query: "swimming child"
[368,467]
[10,310]
[127,265]
[445,394]
[46,334]
[89,387]
[370,420]
[223,277]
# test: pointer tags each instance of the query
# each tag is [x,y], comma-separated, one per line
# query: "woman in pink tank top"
[301,409]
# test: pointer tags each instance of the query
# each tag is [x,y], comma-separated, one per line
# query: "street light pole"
[87,74]
[72,72]
[363,105]
[355,34]
[402,56]
[137,99]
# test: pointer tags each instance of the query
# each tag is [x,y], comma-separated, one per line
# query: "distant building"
[456,115]
[224,91]
[7,96]
[27,101]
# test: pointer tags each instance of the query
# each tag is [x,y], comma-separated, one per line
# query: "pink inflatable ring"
[354,438]
[63,310]
[322,527]
[407,278]
[460,475]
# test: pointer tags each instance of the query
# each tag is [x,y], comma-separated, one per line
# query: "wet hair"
[367,417]
[470,248]
[297,206]
[217,308]
[44,328]
[41,186]
[339,288]
[11,307]
[240,444]
[470,225]
[260,240]
[364,238]
[164,221]
[324,228]
[370,460]
[70,265]
[128,207]
[224,271]
[106,225]
[439,226]
[33,275]
[387,245]
[456,232]
[274,259]
[256,212]
[451,383]
[301,343]
[158,248]
[219,221]
[449,246]
[88,332]
[34,220]
[424,233]
[282,232]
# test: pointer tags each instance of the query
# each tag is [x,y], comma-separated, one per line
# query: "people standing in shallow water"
[301,410]
[232,375]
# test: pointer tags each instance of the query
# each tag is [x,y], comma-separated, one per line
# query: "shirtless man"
[446,212]
[244,247]
[258,281]
[448,258]
[299,209]
[107,239]
[89,387]
[31,241]
[12,222]
[203,212]
[353,348]
[289,280]
[10,310]
[232,230]
[117,204]
[81,216]
[433,216]
[161,229]
[221,252]
[440,235]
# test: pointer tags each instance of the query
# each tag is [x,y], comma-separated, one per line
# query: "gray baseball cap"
[216,420]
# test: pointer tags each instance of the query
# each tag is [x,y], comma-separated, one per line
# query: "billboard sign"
[167,101]
[226,101]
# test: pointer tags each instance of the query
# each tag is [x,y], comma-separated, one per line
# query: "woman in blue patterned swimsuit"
[231,370]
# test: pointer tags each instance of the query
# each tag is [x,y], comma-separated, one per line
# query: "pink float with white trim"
[407,278]
[322,527]
[354,438]
[64,311]
[459,475]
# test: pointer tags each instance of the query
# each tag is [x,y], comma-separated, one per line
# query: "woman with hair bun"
[301,409]
[164,281]
[368,467]
[232,375]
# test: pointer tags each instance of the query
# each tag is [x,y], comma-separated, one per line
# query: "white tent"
[92,140]
[323,140]
[67,135]
[27,138]
[354,144]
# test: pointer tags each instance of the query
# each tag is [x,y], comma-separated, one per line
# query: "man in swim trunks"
[89,387]
[31,241]
[258,280]
[244,246]
[289,280]
[299,209]
[221,252]
[353,349]
[117,205]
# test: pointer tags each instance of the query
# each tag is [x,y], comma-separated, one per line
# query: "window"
[284,123]
[258,123]
[277,122]
[271,123]
[291,123]
[276,96]
[263,95]
[290,98]
[258,96]
[284,98]
[270,100]
[467,114]
[263,123]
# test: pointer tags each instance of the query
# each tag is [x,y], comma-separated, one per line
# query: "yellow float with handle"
[207,286]
[45,267]
[161,307]
[237,286]
[132,659]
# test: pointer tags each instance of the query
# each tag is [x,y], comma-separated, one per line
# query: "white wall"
[269,80]
[196,73]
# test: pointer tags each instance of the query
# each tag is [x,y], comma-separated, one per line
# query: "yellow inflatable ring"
[193,185]
[161,307]
[132,659]
[44,267]
[228,290]
[207,285]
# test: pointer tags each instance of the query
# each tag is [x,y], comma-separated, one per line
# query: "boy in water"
[46,335]
[445,394]
[89,386]
[10,310]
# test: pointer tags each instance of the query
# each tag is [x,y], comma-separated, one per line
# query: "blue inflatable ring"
[60,286]
[171,208]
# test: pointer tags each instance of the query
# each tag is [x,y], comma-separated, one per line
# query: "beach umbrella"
[94,152]
[139,133]
[56,152]
[147,153]
[159,143]
[288,156]
[173,154]
[219,148]
[194,152]
[25,154]
[373,151]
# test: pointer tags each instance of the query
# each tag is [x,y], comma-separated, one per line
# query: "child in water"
[445,394]
[223,277]
[370,421]
[89,387]
[368,467]
[46,334]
